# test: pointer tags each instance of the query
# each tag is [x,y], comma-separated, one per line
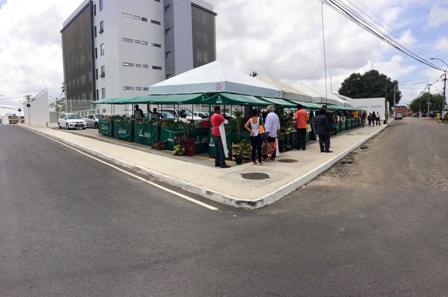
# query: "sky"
[280,38]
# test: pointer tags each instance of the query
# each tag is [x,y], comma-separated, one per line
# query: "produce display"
[178,150]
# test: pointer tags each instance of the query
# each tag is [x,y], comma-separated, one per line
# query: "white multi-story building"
[115,48]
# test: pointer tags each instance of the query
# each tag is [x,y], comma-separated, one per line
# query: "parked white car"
[93,120]
[184,115]
[71,121]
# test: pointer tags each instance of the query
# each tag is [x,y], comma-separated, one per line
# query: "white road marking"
[192,200]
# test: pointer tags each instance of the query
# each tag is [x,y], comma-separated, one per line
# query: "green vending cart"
[146,132]
[105,127]
[123,129]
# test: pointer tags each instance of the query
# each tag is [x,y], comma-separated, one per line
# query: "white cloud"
[280,38]
[438,15]
[30,46]
[442,44]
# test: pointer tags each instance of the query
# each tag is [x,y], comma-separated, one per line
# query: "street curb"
[213,195]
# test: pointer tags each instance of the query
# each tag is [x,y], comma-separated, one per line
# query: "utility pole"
[429,98]
[28,105]
[444,97]
[395,96]
[386,113]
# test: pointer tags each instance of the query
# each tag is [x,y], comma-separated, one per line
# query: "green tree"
[421,103]
[371,84]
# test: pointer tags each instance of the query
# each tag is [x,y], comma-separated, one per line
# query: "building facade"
[114,48]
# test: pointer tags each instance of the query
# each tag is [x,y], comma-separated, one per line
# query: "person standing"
[378,119]
[301,121]
[255,128]
[272,126]
[138,113]
[217,120]
[373,119]
[323,130]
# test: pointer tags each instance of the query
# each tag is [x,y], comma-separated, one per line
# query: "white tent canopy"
[317,96]
[213,78]
[288,92]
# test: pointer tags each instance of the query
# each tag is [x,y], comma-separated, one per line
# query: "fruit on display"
[179,150]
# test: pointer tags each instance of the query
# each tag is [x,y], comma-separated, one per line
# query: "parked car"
[71,121]
[202,115]
[398,116]
[93,120]
[184,115]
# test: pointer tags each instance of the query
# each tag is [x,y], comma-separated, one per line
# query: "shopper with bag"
[272,127]
[256,129]
[301,117]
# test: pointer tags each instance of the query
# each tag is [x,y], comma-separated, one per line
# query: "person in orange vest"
[301,117]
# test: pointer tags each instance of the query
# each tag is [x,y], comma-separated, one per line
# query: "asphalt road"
[373,225]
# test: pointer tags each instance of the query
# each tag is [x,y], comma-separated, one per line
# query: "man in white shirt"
[272,126]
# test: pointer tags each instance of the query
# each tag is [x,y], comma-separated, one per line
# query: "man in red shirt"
[216,120]
[301,121]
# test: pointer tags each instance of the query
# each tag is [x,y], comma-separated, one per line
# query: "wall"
[370,105]
[39,113]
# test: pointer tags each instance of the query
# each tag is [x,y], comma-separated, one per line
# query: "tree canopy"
[371,84]
[421,103]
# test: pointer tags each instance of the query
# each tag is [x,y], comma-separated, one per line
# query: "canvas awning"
[279,102]
[288,92]
[234,99]
[169,99]
[214,77]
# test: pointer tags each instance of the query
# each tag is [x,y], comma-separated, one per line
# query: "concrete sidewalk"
[227,186]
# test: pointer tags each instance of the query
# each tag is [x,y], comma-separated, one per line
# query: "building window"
[157,0]
[102,49]
[144,19]
[129,40]
[101,5]
[101,27]
[156,44]
[138,41]
[136,17]
[103,71]
[155,22]
[167,30]
[144,42]
[95,31]
[167,7]
[138,65]
[128,88]
[103,93]
[138,88]
[145,66]
[96,53]
[156,67]
[94,9]
[96,73]
[146,89]
[167,54]
[127,64]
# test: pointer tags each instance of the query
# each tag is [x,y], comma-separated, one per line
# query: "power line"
[368,26]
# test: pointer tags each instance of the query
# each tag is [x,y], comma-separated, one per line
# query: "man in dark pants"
[216,120]
[301,117]
[323,130]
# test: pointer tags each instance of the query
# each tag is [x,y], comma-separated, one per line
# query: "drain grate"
[255,175]
[288,161]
